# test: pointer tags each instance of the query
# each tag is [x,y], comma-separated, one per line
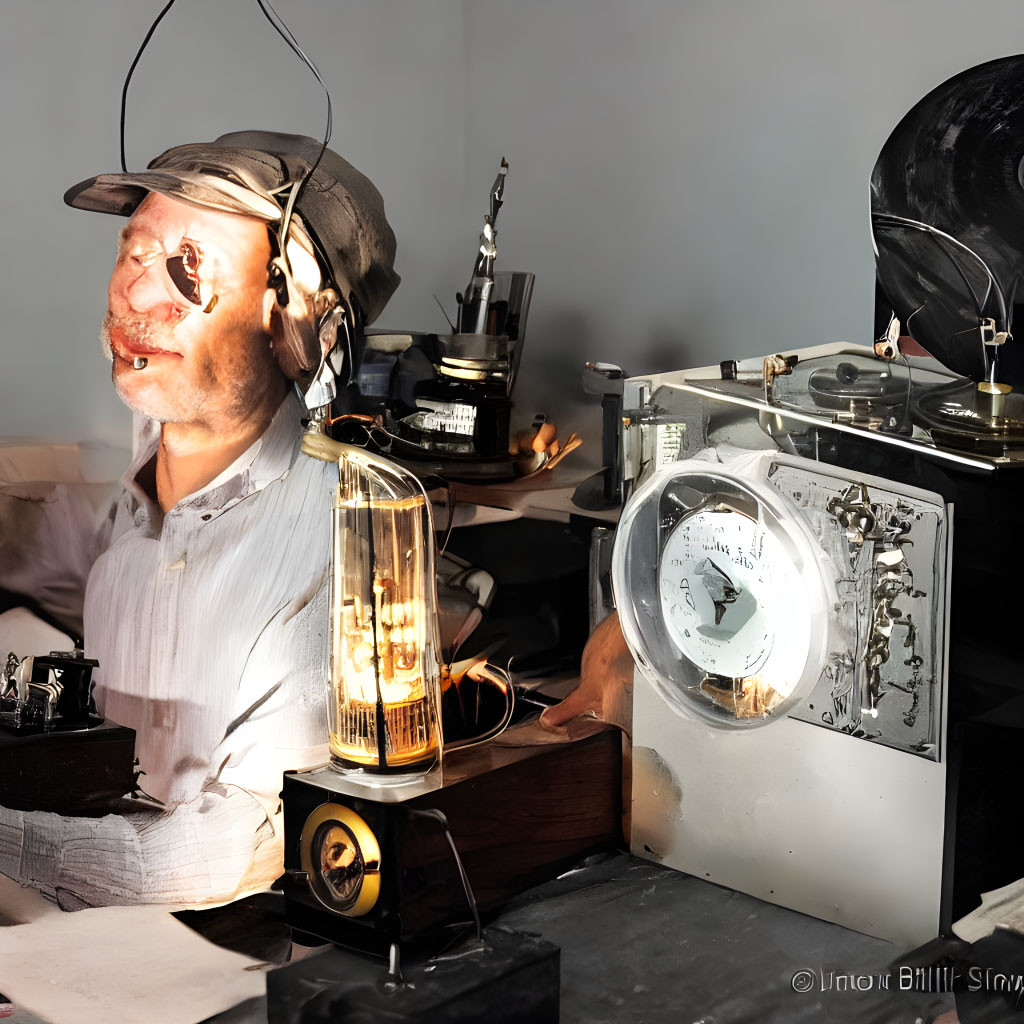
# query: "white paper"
[1000,908]
[115,964]
[19,905]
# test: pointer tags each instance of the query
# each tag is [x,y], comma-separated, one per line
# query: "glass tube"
[385,665]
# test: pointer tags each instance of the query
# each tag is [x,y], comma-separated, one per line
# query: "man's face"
[187,296]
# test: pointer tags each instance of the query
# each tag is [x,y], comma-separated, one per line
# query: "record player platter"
[956,412]
[961,416]
[913,400]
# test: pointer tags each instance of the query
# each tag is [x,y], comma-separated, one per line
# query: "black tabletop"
[643,944]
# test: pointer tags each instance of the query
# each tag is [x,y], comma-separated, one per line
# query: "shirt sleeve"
[280,712]
[206,852]
[228,840]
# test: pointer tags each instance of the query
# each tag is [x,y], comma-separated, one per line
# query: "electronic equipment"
[48,718]
[412,828]
[834,532]
[446,398]
[368,865]
[47,692]
[443,402]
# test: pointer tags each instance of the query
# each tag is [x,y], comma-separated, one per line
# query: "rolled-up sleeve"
[209,851]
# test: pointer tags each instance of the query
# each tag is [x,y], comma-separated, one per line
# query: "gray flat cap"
[249,173]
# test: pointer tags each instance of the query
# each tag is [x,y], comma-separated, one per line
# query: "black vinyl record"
[947,213]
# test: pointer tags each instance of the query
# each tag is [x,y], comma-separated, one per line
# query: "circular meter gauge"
[734,624]
[725,584]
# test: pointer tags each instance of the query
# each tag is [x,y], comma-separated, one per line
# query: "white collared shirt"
[211,631]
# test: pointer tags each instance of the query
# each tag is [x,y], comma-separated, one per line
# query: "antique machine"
[408,831]
[442,402]
[835,532]
[415,827]
[48,692]
[48,716]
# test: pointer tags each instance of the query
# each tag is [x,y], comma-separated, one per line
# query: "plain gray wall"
[688,180]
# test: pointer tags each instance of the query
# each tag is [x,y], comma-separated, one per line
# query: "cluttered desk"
[802,554]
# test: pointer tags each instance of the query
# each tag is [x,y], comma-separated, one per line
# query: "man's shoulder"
[310,474]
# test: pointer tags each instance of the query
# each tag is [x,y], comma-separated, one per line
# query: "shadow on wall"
[668,348]
[558,345]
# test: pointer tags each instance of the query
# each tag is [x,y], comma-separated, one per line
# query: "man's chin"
[143,395]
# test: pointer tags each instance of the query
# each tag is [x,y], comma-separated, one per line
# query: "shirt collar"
[267,459]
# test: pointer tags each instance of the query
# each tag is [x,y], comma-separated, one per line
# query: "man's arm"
[210,850]
[228,840]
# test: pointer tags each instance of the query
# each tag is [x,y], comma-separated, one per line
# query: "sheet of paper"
[20,905]
[1000,908]
[119,964]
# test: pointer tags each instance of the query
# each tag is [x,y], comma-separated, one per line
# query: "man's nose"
[149,293]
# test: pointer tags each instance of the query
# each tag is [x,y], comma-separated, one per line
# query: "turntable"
[835,537]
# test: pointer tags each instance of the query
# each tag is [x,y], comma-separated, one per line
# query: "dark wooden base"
[518,817]
[77,771]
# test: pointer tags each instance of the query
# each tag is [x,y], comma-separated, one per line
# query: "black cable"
[910,386]
[131,71]
[452,502]
[467,889]
[1011,297]
[285,33]
[380,718]
[893,220]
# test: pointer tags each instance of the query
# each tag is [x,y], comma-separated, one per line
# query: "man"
[206,584]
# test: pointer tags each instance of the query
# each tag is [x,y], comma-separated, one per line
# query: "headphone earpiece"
[277,280]
[298,347]
[316,333]
[336,340]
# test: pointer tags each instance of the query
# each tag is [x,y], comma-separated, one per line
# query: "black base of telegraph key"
[511,977]
[67,771]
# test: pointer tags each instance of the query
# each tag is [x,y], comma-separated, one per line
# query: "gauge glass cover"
[733,624]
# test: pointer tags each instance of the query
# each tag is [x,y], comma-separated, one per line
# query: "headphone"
[310,343]
[316,344]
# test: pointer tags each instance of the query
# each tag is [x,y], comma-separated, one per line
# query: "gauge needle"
[719,586]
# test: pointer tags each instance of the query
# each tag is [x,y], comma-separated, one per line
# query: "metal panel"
[795,814]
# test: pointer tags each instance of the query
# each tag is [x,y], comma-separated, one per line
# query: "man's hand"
[606,686]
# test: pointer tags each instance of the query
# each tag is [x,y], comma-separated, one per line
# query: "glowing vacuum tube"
[385,665]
